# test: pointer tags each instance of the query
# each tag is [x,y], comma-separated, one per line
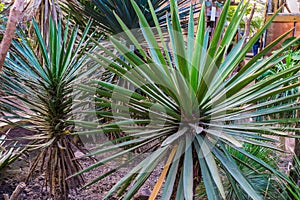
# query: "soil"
[13,175]
[18,171]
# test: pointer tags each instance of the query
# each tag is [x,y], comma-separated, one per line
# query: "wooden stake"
[19,189]
[6,197]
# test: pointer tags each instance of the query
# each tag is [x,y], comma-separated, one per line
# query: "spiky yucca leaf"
[264,180]
[40,92]
[102,13]
[188,107]
[293,186]
[9,151]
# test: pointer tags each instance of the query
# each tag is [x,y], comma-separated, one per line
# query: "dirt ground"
[11,176]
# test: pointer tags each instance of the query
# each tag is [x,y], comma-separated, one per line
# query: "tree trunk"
[248,24]
[15,15]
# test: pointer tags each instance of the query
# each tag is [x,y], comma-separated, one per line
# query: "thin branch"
[15,15]
[248,23]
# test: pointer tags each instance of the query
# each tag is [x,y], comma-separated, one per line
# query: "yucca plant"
[187,108]
[40,93]
[102,13]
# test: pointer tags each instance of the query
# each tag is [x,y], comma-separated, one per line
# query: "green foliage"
[1,7]
[295,45]
[102,12]
[290,60]
[190,109]
[41,91]
[257,20]
[263,181]
[2,19]
[293,187]
[9,152]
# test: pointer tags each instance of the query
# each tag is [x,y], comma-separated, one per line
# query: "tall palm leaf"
[40,93]
[190,107]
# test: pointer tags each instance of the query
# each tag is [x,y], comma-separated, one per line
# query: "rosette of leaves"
[188,108]
[40,93]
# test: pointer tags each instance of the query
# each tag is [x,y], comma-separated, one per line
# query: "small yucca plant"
[188,108]
[40,87]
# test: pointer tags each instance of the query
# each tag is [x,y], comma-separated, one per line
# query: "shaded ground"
[18,171]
